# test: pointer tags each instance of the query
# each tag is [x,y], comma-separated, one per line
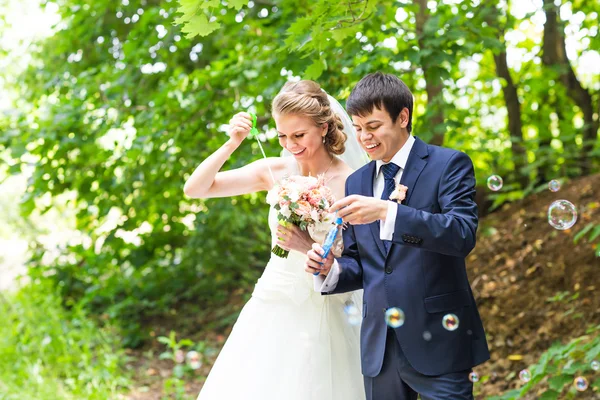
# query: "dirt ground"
[520,262]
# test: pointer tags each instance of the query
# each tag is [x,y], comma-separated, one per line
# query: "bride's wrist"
[232,144]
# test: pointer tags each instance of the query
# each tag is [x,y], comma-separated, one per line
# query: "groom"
[407,254]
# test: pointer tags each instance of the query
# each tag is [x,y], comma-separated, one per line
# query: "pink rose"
[315,197]
[303,209]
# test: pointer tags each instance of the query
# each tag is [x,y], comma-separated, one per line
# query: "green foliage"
[47,352]
[118,108]
[590,232]
[592,228]
[554,373]
[174,387]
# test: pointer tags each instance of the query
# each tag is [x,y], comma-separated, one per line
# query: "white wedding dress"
[289,342]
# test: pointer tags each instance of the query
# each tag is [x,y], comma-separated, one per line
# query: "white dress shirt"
[386,227]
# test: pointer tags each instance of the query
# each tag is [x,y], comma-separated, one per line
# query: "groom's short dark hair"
[384,91]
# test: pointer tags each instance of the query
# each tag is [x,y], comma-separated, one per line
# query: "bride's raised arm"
[208,182]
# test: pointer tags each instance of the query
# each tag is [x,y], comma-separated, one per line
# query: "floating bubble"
[193,359]
[394,317]
[581,384]
[450,322]
[474,377]
[353,314]
[562,214]
[427,335]
[195,365]
[179,356]
[525,375]
[595,365]
[495,182]
[554,185]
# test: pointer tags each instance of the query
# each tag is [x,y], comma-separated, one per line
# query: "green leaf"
[188,8]
[595,233]
[558,382]
[164,340]
[198,25]
[549,395]
[206,4]
[583,232]
[236,4]
[341,34]
[315,70]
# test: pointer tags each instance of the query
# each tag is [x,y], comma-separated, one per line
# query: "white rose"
[272,197]
[294,196]
[285,211]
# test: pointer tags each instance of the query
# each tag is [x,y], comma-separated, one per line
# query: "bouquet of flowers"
[302,201]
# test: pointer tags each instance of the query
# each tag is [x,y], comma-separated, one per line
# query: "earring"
[323,139]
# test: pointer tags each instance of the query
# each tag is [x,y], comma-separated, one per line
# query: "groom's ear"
[403,118]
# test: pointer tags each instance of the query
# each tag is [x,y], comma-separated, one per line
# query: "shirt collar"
[401,157]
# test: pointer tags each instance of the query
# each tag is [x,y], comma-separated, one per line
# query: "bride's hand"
[239,126]
[291,237]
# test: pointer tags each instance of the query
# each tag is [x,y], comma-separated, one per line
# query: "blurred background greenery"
[108,106]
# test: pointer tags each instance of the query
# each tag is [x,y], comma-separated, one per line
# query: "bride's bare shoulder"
[280,166]
[345,170]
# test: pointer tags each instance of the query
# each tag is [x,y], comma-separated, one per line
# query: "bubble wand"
[329,239]
[254,132]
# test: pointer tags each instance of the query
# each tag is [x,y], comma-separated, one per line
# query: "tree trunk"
[433,84]
[555,54]
[544,152]
[513,104]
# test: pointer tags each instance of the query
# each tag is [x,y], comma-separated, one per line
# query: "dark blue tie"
[389,173]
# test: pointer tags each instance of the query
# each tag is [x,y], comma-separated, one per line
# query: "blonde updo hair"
[306,98]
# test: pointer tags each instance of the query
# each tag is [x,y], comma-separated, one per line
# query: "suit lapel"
[367,189]
[417,160]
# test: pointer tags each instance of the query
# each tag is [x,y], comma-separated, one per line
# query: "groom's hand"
[360,210]
[316,263]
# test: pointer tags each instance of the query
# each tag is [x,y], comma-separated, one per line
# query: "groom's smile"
[378,135]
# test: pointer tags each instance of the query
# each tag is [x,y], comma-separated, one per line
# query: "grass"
[49,352]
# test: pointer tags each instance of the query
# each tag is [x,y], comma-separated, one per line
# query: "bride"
[289,342]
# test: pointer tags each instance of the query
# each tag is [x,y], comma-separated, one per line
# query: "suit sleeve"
[350,276]
[452,231]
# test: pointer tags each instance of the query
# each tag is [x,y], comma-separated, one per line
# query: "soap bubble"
[353,314]
[562,214]
[450,322]
[495,183]
[580,383]
[193,359]
[179,356]
[554,185]
[394,317]
[525,375]
[474,377]
[427,335]
[595,365]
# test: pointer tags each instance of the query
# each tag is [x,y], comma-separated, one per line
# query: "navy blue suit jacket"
[424,272]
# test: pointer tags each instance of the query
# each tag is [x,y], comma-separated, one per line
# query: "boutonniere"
[399,194]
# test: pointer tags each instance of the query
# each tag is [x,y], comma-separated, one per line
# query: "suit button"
[388,270]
